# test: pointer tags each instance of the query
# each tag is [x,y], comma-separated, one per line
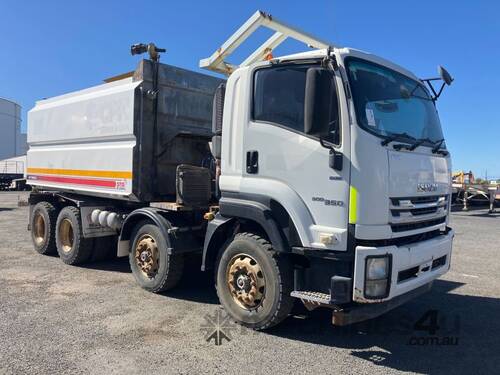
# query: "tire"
[72,247]
[104,248]
[268,306]
[168,267]
[43,228]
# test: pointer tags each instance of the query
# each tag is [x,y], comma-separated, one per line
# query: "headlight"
[377,276]
[376,289]
[377,268]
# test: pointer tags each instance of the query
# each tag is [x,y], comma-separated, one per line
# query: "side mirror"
[318,101]
[445,76]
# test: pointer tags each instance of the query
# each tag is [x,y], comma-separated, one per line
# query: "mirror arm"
[440,90]
[323,144]
[335,158]
[436,94]
[330,61]
[432,89]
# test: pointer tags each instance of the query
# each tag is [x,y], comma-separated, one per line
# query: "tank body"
[122,139]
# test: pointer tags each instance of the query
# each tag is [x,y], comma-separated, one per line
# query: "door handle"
[252,162]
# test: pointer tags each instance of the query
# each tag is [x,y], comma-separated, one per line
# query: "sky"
[53,47]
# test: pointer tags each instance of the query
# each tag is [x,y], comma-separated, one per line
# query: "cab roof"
[344,52]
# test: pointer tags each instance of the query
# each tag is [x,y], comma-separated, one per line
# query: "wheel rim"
[66,235]
[39,229]
[147,256]
[246,281]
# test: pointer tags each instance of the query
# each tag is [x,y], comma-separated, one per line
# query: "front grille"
[416,211]
[410,213]
[418,225]
[417,200]
[402,241]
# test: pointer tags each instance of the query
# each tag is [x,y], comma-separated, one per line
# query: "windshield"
[388,103]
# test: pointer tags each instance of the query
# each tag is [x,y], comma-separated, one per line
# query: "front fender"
[257,212]
[215,235]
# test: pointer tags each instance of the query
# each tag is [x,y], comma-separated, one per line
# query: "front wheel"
[254,283]
[153,267]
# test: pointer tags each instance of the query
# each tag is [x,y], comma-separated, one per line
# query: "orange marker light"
[269,56]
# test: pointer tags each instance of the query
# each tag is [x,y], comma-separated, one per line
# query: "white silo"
[12,141]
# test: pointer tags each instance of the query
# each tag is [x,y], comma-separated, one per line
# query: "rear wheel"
[254,283]
[154,269]
[72,247]
[43,226]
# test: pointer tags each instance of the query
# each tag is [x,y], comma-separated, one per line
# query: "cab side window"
[278,97]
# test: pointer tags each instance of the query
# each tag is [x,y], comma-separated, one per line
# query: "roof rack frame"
[217,61]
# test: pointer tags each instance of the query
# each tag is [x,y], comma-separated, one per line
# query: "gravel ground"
[94,319]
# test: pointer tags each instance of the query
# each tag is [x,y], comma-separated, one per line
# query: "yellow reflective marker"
[81,172]
[353,205]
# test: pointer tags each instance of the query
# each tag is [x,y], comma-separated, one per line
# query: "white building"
[12,141]
[15,165]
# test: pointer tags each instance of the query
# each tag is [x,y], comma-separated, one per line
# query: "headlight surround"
[377,276]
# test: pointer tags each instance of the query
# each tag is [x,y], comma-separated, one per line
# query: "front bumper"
[413,266]
[364,311]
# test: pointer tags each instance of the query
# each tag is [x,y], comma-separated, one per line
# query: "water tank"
[12,141]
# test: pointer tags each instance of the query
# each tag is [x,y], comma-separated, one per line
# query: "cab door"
[291,167]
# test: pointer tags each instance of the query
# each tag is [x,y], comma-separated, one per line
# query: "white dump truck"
[320,177]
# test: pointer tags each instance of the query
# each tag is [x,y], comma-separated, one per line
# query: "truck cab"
[338,157]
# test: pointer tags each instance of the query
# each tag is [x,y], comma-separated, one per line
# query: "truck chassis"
[238,250]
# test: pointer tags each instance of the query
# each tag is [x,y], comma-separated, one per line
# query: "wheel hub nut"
[243,282]
[145,256]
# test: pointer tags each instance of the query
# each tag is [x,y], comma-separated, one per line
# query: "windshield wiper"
[437,146]
[414,145]
[402,137]
[420,142]
[417,143]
